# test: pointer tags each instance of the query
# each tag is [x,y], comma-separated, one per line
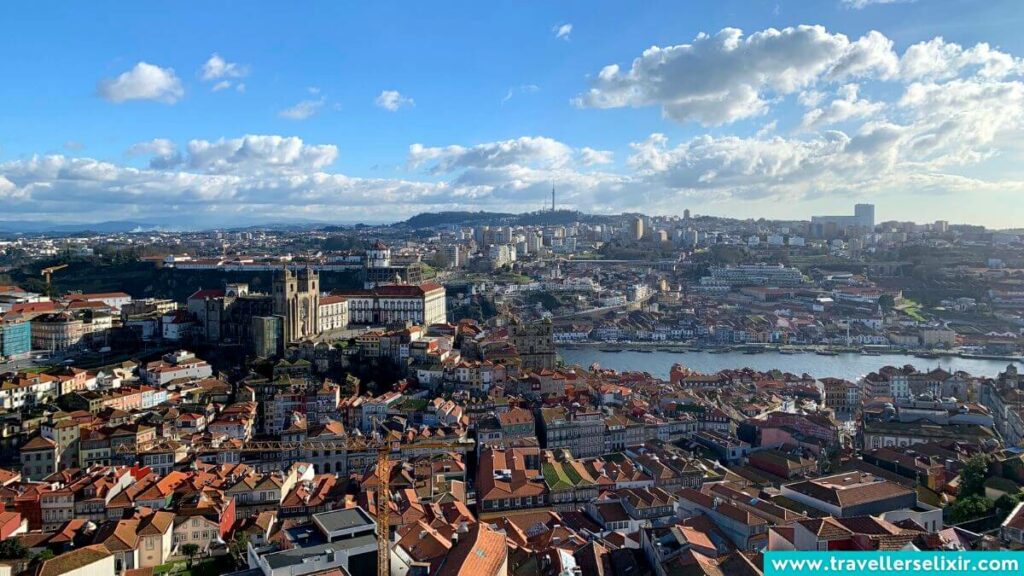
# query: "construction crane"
[384,465]
[384,446]
[48,274]
[383,509]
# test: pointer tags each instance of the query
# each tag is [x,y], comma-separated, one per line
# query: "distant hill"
[110,227]
[432,219]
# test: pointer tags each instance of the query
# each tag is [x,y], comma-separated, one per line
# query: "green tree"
[969,508]
[1007,502]
[190,550]
[972,477]
[12,549]
[45,555]
[886,302]
[239,549]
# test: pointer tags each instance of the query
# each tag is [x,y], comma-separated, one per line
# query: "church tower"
[297,300]
[378,256]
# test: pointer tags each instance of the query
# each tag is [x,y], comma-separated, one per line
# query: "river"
[848,366]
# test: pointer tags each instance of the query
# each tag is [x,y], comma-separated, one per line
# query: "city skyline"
[375,113]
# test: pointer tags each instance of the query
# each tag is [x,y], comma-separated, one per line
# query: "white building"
[423,304]
[174,366]
[115,300]
[333,312]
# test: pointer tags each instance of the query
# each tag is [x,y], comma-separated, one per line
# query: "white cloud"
[521,89]
[810,98]
[846,106]
[7,188]
[937,59]
[937,127]
[524,151]
[562,31]
[222,85]
[217,68]
[392,100]
[723,78]
[258,154]
[962,121]
[861,4]
[591,157]
[163,152]
[942,112]
[871,55]
[143,82]
[304,109]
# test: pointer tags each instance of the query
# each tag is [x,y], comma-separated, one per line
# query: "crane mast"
[383,510]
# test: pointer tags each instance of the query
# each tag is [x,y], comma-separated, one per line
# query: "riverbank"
[682,348]
[851,366]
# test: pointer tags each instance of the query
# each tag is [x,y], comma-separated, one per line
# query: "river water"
[848,366]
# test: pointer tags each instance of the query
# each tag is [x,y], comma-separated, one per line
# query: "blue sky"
[376,111]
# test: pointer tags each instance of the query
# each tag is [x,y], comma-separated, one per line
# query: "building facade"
[297,300]
[15,339]
[422,304]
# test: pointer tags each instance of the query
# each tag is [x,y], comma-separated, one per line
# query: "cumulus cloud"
[145,81]
[562,31]
[937,127]
[524,151]
[163,152]
[259,154]
[962,121]
[217,68]
[937,59]
[591,157]
[846,106]
[304,109]
[392,100]
[726,77]
[943,110]
[7,188]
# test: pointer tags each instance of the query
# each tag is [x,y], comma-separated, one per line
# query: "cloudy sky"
[241,113]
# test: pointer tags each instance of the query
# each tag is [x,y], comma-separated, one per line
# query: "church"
[297,300]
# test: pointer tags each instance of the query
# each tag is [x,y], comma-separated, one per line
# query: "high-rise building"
[865,215]
[266,336]
[827,226]
[297,299]
[451,254]
[15,339]
[636,228]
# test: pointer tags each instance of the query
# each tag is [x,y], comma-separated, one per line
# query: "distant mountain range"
[110,227]
[423,220]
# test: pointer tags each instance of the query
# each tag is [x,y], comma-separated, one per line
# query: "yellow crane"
[48,274]
[384,465]
[384,446]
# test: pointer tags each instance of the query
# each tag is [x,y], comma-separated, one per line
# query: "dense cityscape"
[295,401]
[505,288]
